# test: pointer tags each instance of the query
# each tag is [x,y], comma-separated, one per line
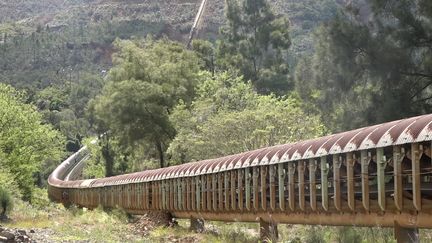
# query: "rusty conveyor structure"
[373,176]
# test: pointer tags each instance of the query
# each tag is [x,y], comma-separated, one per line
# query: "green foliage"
[254,42]
[8,180]
[63,107]
[205,50]
[6,203]
[26,146]
[229,117]
[94,165]
[315,234]
[149,78]
[359,68]
[348,234]
[40,198]
[305,16]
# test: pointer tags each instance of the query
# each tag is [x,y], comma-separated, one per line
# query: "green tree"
[370,72]
[26,145]
[149,78]
[6,203]
[205,50]
[229,117]
[254,42]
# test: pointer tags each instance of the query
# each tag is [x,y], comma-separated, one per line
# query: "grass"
[75,224]
[215,232]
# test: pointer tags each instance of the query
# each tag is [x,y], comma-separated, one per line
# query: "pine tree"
[374,69]
[254,43]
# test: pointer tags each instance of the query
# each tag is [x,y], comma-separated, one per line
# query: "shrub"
[6,203]
[40,198]
[7,180]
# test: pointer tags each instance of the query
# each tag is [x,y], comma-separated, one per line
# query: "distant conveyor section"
[197,22]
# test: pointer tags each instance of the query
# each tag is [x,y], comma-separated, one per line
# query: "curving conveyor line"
[377,175]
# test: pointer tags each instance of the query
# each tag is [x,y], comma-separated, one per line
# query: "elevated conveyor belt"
[377,175]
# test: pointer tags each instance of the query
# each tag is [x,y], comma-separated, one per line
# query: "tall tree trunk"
[108,157]
[161,154]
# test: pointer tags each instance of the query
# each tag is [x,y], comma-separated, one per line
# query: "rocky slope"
[175,15]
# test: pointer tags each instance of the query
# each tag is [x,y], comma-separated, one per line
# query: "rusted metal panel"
[179,194]
[365,160]
[185,193]
[241,159]
[226,190]
[229,164]
[220,190]
[324,182]
[176,194]
[233,190]
[381,165]
[291,185]
[247,188]
[197,188]
[350,180]
[398,130]
[193,193]
[301,184]
[172,194]
[272,177]
[129,193]
[209,192]
[416,187]
[337,182]
[263,184]
[275,153]
[255,189]
[312,184]
[205,191]
[214,191]
[240,188]
[285,153]
[281,186]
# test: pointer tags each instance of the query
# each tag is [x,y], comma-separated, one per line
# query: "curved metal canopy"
[415,129]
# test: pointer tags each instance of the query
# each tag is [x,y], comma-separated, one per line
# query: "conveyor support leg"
[406,235]
[197,225]
[268,231]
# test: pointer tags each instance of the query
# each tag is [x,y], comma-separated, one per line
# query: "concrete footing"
[197,225]
[406,235]
[268,231]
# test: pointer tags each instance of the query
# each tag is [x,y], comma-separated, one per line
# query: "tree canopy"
[254,42]
[148,79]
[28,148]
[229,117]
[370,71]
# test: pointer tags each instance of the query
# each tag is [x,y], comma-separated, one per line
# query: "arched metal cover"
[415,129]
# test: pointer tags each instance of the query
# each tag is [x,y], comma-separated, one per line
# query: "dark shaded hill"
[55,41]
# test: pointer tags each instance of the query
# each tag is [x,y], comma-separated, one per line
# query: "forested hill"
[102,21]
[57,41]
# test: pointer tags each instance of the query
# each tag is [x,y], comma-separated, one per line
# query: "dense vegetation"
[277,72]
[29,150]
[370,71]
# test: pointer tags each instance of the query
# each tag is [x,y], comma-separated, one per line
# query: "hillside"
[132,17]
[83,31]
[56,49]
